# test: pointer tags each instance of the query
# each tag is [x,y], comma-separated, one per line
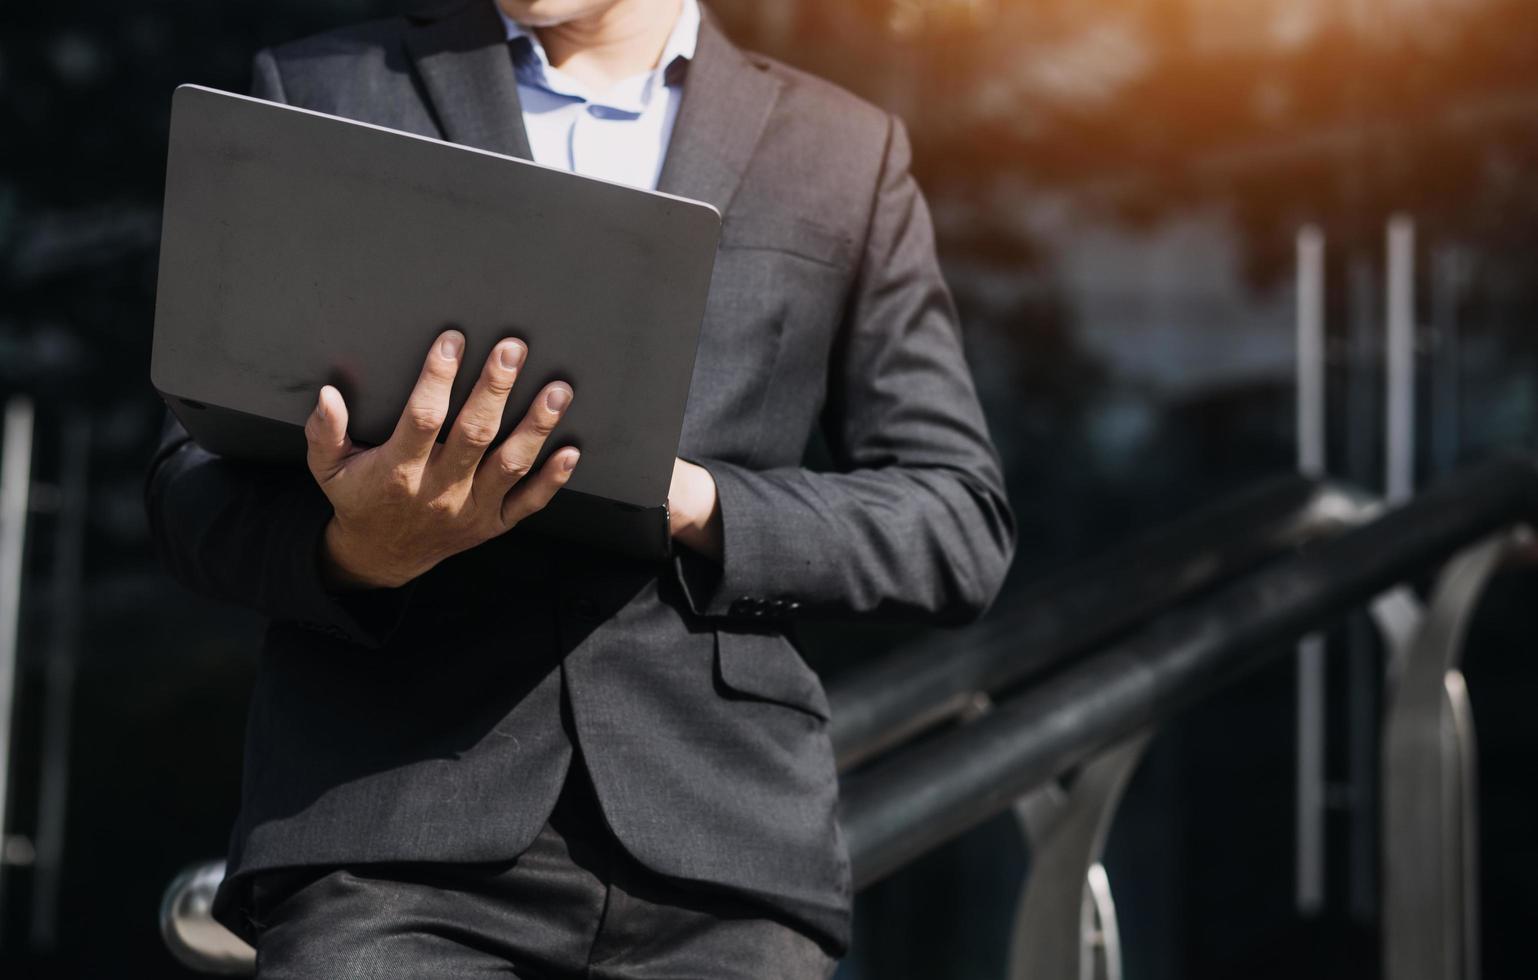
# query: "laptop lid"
[300,249]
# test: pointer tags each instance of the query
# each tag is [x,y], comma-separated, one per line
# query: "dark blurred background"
[1118,187]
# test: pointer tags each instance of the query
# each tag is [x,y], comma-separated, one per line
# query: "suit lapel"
[726,103]
[462,56]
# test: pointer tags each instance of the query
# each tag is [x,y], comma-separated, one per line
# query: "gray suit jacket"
[437,723]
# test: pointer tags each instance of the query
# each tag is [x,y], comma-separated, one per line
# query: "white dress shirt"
[620,134]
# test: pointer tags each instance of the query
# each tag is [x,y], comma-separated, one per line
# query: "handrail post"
[15,491]
[193,936]
[1065,925]
[1430,858]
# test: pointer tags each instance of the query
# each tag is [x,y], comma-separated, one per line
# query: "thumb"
[326,432]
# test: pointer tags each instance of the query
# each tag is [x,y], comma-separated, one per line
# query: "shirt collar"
[680,47]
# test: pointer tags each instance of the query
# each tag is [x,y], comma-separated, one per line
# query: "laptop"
[300,249]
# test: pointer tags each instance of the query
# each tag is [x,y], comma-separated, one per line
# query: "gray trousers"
[574,905]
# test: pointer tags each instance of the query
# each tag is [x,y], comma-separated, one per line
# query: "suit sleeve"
[249,533]
[913,523]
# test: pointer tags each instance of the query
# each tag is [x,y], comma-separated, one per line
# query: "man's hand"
[402,507]
[693,514]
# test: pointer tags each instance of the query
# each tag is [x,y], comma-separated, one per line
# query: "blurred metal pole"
[15,488]
[1309,883]
[1311,403]
[1399,363]
[1366,677]
[59,681]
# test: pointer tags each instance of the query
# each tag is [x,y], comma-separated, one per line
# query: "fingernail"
[512,355]
[320,405]
[569,461]
[451,345]
[558,399]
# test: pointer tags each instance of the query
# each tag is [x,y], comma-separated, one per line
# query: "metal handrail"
[935,679]
[924,795]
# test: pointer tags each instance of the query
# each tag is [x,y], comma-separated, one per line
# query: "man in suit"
[471,749]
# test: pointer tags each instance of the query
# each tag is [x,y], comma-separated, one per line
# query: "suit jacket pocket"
[766,667]
[789,234]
